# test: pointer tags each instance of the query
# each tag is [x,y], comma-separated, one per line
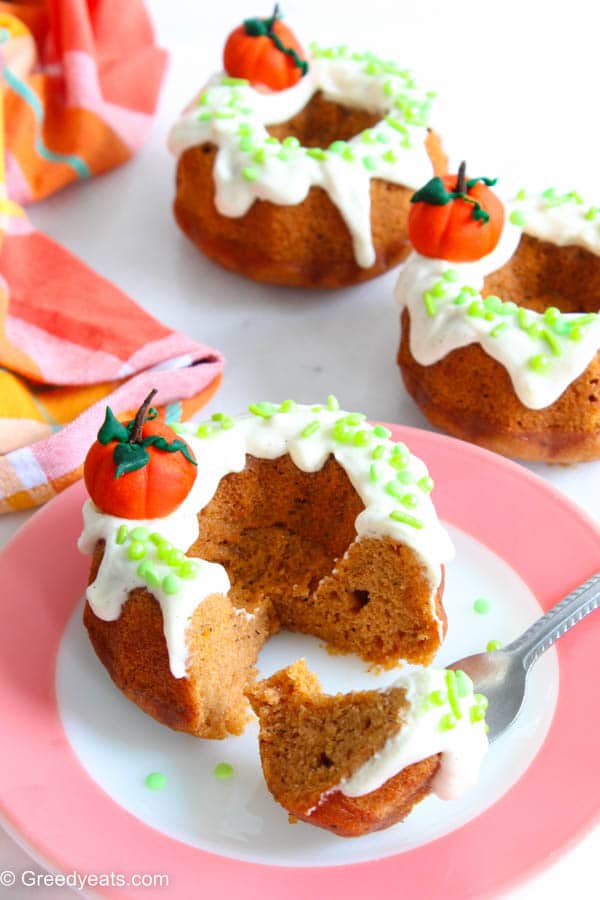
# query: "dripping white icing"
[251,165]
[542,358]
[223,450]
[422,734]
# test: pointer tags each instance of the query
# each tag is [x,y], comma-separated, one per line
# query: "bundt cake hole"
[541,274]
[325,761]
[359,600]
[323,121]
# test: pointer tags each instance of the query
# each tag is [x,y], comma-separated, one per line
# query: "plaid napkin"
[81,81]
[71,342]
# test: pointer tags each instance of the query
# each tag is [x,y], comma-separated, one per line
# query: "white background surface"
[517,96]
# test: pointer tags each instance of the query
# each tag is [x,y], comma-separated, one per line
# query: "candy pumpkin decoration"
[141,470]
[265,51]
[456,218]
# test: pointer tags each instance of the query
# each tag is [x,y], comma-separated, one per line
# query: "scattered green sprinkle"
[378,452]
[163,550]
[259,156]
[263,409]
[399,516]
[170,584]
[447,722]
[409,501]
[394,489]
[373,472]
[390,157]
[227,79]
[381,431]
[332,403]
[476,309]
[188,569]
[286,407]
[539,363]
[517,218]
[338,147]
[140,533]
[430,304]
[493,645]
[204,431]
[439,288]
[369,163]
[453,693]
[437,698]
[551,341]
[291,141]
[155,781]
[400,456]
[310,429]
[249,173]
[316,153]
[498,329]
[482,606]
[122,534]
[223,771]
[450,275]
[147,573]
[175,557]
[136,550]
[464,685]
[157,538]
[521,194]
[405,477]
[476,714]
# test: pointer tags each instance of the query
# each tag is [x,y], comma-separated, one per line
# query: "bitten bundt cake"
[359,762]
[297,517]
[305,182]
[500,344]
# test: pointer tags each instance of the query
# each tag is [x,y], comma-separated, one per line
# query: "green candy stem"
[266,28]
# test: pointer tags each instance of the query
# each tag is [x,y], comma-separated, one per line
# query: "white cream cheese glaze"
[252,165]
[444,716]
[543,353]
[393,485]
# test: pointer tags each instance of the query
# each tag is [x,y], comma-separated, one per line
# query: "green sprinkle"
[587,319]
[498,329]
[287,406]
[170,584]
[426,484]
[369,163]
[430,304]
[244,128]
[175,557]
[382,137]
[332,403]
[246,144]
[378,451]
[157,538]
[249,173]
[223,771]
[260,155]
[367,136]
[136,550]
[476,309]
[482,700]
[205,116]
[316,408]
[482,606]
[439,289]
[353,419]
[394,489]
[348,154]
[521,195]
[552,315]
[396,125]
[437,698]
[400,457]
[493,303]
[476,714]
[148,573]
[453,693]
[361,438]
[272,140]
[450,275]
[373,472]
[291,141]
[399,516]
[227,423]
[493,645]
[551,341]
[409,501]
[204,431]
[517,218]
[508,308]
[464,685]
[447,722]
[188,569]
[140,533]
[338,147]
[591,213]
[381,432]
[263,409]
[405,477]
[316,153]
[461,298]
[163,550]
[539,363]
[523,319]
[122,534]
[223,114]
[309,429]
[155,781]
[534,330]
[575,334]
[390,157]
[283,154]
[227,79]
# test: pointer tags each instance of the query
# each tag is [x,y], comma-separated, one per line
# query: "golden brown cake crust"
[310,741]
[287,540]
[470,395]
[307,244]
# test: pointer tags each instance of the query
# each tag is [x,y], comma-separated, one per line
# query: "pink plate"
[50,801]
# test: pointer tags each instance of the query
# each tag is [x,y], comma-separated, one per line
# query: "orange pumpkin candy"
[444,225]
[253,51]
[157,485]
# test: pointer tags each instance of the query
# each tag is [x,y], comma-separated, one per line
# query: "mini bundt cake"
[359,762]
[500,346]
[298,517]
[308,184]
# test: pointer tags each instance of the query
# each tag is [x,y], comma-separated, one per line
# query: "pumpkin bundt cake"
[500,343]
[300,172]
[297,517]
[359,762]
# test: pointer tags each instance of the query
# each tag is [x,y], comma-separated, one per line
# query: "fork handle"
[560,619]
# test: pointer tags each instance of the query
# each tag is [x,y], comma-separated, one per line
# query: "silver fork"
[502,674]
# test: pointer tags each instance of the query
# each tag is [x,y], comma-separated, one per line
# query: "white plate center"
[119,745]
